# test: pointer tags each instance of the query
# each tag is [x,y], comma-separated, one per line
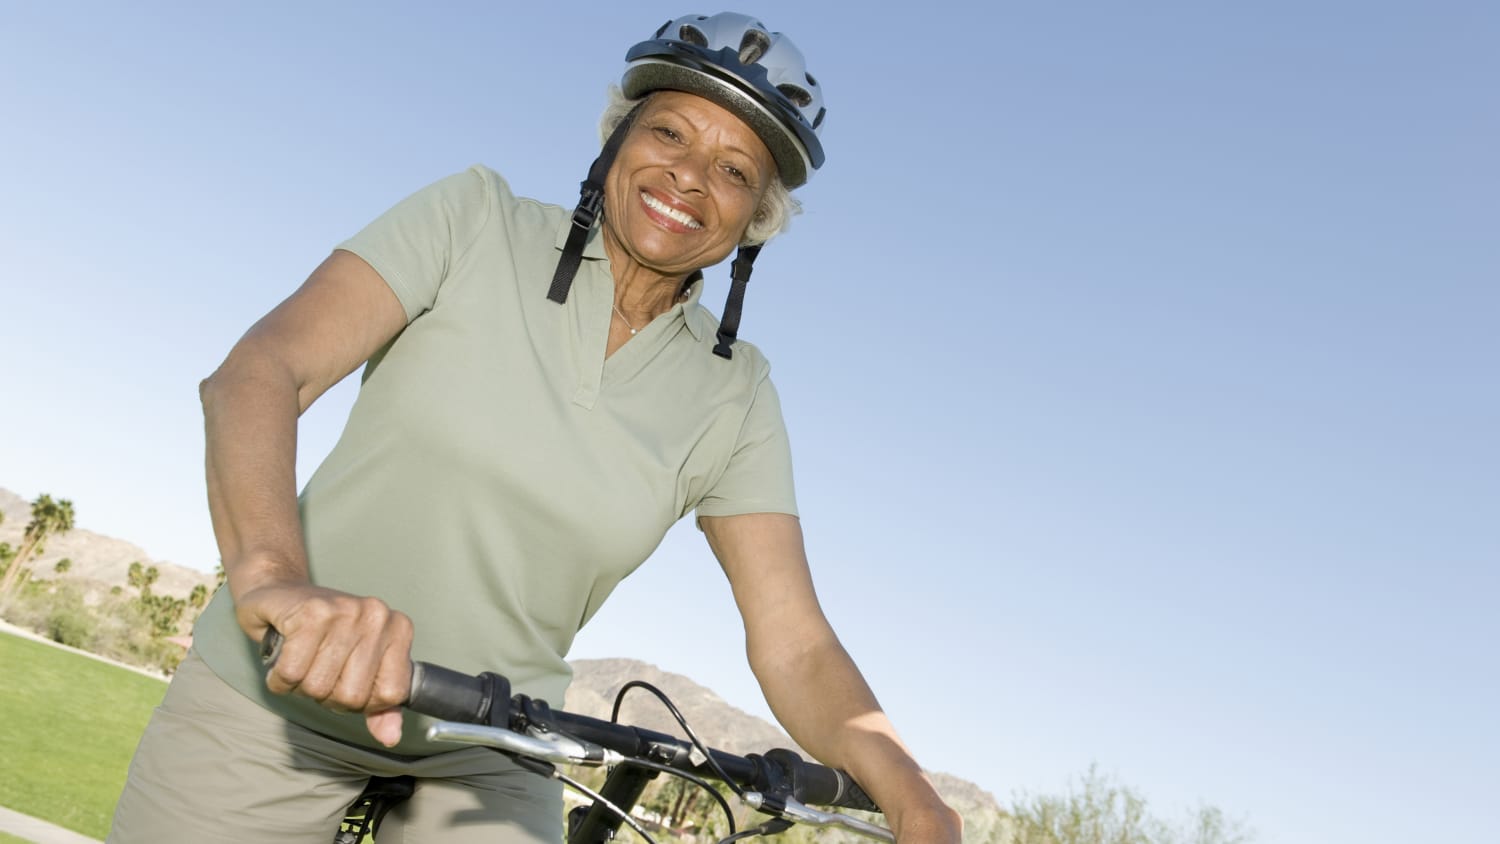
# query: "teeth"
[660,207]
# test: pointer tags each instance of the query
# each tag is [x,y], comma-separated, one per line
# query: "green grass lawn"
[71,725]
[11,839]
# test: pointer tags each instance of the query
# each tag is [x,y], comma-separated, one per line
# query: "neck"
[641,291]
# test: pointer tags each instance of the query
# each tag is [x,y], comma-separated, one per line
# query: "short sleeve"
[413,245]
[759,476]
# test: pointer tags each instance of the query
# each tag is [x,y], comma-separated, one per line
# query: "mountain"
[99,562]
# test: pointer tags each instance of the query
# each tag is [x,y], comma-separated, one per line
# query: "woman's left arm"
[811,684]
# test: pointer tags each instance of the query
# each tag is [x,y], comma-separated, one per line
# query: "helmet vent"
[818,121]
[796,95]
[662,29]
[693,35]
[754,45]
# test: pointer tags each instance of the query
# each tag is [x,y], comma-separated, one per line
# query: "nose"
[689,172]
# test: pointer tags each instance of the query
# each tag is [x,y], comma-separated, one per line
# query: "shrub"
[72,626]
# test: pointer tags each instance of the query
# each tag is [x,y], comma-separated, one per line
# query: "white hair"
[776,210]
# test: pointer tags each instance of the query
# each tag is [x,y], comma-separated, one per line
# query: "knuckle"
[400,624]
[315,688]
[373,612]
[352,699]
[387,694]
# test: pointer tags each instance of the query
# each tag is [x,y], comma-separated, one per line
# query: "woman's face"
[685,184]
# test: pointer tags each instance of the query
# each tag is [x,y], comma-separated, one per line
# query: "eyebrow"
[667,109]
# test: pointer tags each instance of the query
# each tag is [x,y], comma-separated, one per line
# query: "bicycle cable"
[614,717]
[770,827]
[600,799]
[713,763]
[695,780]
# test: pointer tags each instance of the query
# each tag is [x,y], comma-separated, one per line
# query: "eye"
[668,133]
[737,174]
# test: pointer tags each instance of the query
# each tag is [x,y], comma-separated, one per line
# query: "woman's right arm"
[347,652]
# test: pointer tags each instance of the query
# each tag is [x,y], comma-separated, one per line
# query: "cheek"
[750,208]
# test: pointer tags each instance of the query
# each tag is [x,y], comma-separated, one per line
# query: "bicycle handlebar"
[486,699]
[455,696]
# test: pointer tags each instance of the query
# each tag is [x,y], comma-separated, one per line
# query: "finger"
[295,660]
[318,641]
[321,680]
[392,684]
[356,678]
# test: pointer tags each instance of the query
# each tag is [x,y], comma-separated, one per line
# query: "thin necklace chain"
[621,314]
[633,329]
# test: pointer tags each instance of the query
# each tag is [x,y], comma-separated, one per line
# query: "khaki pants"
[215,766]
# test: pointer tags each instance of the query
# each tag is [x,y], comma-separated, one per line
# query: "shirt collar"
[698,319]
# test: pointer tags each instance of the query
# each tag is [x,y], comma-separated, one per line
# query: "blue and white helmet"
[734,61]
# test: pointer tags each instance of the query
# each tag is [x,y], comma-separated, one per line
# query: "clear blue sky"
[1140,359]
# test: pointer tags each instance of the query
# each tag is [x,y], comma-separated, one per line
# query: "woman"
[517,448]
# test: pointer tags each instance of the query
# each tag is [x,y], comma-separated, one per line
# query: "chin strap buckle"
[590,203]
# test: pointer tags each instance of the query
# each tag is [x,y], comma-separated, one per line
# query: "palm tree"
[48,517]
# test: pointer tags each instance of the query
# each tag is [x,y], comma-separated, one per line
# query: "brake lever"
[555,747]
[792,810]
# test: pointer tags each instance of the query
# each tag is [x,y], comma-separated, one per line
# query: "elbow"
[206,390]
[245,377]
[212,388]
[807,654]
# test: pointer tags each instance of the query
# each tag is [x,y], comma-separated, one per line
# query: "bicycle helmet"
[734,61]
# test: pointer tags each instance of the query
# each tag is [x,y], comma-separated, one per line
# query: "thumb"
[385,726]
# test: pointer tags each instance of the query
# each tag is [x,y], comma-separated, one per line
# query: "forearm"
[250,414]
[819,695]
[809,680]
[350,653]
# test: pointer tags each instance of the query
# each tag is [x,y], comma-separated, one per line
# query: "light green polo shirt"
[498,476]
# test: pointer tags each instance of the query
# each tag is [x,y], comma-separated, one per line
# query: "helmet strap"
[739,274]
[590,203]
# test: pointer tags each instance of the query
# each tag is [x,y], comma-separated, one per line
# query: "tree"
[199,597]
[63,565]
[48,517]
[1103,812]
[141,578]
[162,612]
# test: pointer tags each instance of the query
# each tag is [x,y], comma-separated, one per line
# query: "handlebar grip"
[270,647]
[818,784]
[454,696]
[856,798]
[823,786]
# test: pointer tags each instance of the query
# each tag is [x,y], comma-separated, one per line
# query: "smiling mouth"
[669,212]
